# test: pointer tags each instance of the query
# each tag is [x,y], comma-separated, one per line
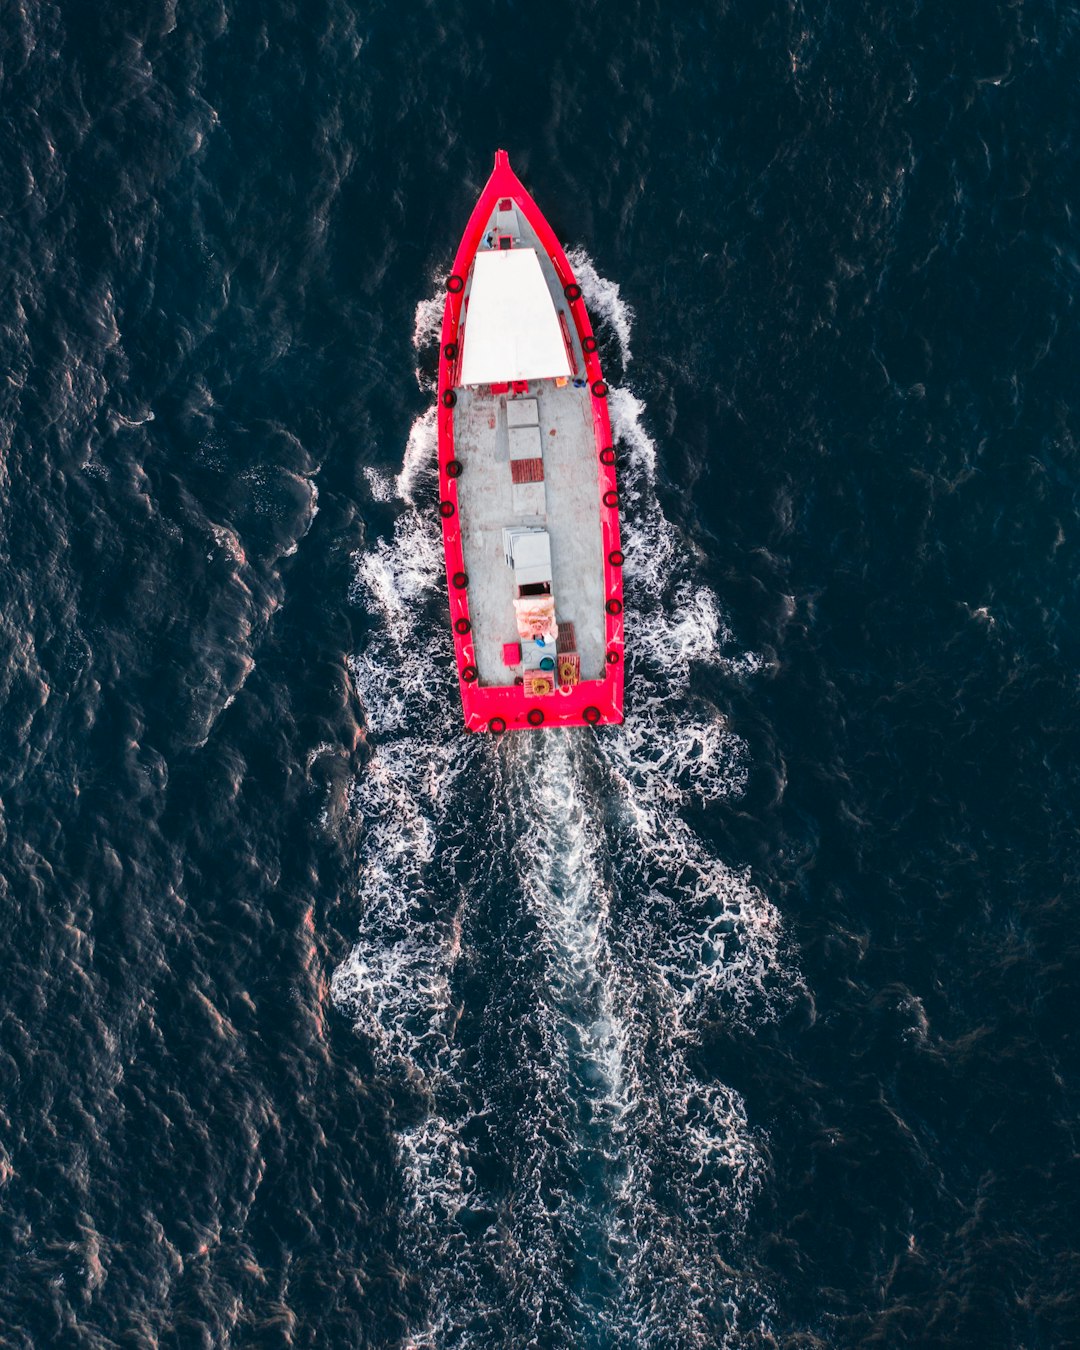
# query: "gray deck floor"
[572,520]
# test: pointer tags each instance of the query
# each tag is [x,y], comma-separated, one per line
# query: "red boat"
[528,499]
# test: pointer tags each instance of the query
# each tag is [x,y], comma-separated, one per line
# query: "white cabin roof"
[512,331]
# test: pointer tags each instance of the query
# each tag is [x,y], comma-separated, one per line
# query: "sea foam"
[621,934]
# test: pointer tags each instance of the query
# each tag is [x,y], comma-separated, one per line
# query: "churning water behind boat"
[543,934]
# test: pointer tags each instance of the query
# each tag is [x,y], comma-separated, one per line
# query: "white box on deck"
[521,412]
[525,443]
[528,552]
[529,499]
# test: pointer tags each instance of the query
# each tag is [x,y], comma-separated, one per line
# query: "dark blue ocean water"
[752,1023]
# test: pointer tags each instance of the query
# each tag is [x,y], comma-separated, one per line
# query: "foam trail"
[604,300]
[543,936]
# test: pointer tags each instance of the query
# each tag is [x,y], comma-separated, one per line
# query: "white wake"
[542,937]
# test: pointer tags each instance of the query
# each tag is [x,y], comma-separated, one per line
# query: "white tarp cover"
[512,330]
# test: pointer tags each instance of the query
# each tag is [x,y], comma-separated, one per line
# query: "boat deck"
[571,497]
[527,484]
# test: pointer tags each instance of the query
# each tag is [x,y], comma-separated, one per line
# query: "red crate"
[527,470]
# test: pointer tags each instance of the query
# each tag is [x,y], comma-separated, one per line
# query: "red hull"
[506,707]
